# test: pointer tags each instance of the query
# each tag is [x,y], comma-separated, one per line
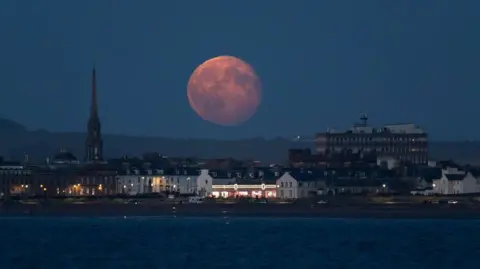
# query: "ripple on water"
[166,242]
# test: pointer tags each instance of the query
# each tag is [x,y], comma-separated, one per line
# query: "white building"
[300,183]
[244,182]
[456,181]
[180,180]
[287,187]
[204,184]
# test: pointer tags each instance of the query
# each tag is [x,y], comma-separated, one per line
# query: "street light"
[75,187]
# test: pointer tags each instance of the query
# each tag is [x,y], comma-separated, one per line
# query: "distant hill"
[16,141]
[10,126]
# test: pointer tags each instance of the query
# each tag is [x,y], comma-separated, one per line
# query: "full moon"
[224,90]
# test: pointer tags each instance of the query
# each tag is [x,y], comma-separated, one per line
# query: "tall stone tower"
[94,142]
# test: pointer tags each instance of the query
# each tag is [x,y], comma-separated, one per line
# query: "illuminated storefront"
[241,190]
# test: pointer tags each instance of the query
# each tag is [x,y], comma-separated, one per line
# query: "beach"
[417,211]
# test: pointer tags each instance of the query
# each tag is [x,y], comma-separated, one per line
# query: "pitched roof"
[455,177]
[307,174]
[181,171]
[475,172]
[64,156]
[357,183]
[430,173]
[448,163]
[259,174]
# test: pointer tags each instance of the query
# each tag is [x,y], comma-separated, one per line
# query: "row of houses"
[259,182]
[454,181]
[443,178]
[268,182]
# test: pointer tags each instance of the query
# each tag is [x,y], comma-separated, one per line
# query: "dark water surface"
[146,242]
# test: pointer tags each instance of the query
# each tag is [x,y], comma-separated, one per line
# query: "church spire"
[94,105]
[94,142]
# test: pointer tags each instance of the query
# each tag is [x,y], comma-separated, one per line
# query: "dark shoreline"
[244,210]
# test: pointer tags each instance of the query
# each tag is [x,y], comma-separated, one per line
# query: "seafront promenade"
[417,211]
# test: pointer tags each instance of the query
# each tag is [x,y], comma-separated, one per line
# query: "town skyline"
[204,131]
[93,143]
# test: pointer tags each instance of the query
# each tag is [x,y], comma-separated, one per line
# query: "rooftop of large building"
[64,156]
[363,127]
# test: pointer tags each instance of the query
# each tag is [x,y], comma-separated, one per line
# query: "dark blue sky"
[321,63]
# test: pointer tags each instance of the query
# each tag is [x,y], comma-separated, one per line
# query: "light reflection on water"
[165,242]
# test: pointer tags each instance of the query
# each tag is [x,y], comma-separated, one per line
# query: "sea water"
[146,242]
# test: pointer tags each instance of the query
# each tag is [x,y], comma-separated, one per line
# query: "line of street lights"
[76,187]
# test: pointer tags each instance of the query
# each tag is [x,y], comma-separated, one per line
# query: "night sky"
[322,63]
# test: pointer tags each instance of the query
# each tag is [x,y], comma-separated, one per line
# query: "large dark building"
[304,158]
[94,142]
[404,142]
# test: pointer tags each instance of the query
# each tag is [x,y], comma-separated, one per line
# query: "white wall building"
[204,184]
[287,187]
[456,181]
[244,182]
[300,184]
[184,181]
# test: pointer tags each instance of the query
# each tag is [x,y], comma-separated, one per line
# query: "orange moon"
[224,90]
